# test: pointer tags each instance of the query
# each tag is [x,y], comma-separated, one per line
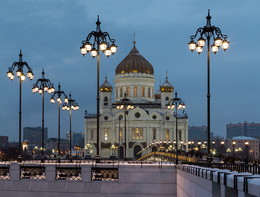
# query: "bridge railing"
[163,156]
[251,168]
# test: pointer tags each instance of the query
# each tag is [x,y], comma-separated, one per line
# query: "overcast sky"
[50,33]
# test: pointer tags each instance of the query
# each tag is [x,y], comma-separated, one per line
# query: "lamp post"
[206,33]
[178,104]
[125,104]
[222,149]
[103,42]
[69,106]
[199,145]
[20,74]
[119,136]
[233,146]
[213,148]
[246,145]
[43,85]
[58,94]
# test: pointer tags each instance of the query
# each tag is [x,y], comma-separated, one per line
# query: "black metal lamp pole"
[246,144]
[233,146]
[178,104]
[43,85]
[20,74]
[125,104]
[58,94]
[220,39]
[70,105]
[119,118]
[103,42]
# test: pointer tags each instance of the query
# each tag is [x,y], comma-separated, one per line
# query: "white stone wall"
[195,181]
[150,180]
[145,121]
[189,185]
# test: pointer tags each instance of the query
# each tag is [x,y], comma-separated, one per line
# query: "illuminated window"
[135,91]
[128,91]
[143,91]
[121,134]
[106,134]
[137,133]
[154,133]
[167,134]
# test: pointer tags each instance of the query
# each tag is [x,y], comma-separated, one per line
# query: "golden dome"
[106,87]
[134,62]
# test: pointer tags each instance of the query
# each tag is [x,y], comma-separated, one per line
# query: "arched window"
[180,134]
[121,92]
[167,98]
[105,101]
[127,91]
[154,133]
[167,134]
[135,91]
[143,91]
[149,92]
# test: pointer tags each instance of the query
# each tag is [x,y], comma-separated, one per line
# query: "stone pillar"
[14,171]
[50,171]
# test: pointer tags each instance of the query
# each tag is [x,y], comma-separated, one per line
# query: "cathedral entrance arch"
[137,149]
[121,152]
[154,149]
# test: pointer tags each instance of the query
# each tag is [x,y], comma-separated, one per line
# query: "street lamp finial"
[20,56]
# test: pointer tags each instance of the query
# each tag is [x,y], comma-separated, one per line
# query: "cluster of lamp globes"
[42,89]
[66,106]
[180,106]
[70,107]
[218,42]
[104,47]
[59,100]
[20,74]
[127,107]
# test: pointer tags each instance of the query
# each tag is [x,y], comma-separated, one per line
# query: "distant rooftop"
[243,138]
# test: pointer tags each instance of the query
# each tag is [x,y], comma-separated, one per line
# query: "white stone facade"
[148,122]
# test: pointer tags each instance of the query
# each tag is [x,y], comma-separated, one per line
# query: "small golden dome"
[166,86]
[106,87]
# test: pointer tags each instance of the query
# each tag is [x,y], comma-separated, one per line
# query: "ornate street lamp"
[219,40]
[178,104]
[103,42]
[127,105]
[58,94]
[70,105]
[43,85]
[20,74]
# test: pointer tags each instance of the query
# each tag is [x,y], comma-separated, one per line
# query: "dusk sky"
[50,34]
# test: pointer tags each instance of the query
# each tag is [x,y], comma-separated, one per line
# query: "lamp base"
[97,159]
[19,159]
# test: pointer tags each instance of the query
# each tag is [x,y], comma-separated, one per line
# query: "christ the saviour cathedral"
[124,132]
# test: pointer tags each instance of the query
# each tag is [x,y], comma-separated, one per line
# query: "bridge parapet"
[219,182]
